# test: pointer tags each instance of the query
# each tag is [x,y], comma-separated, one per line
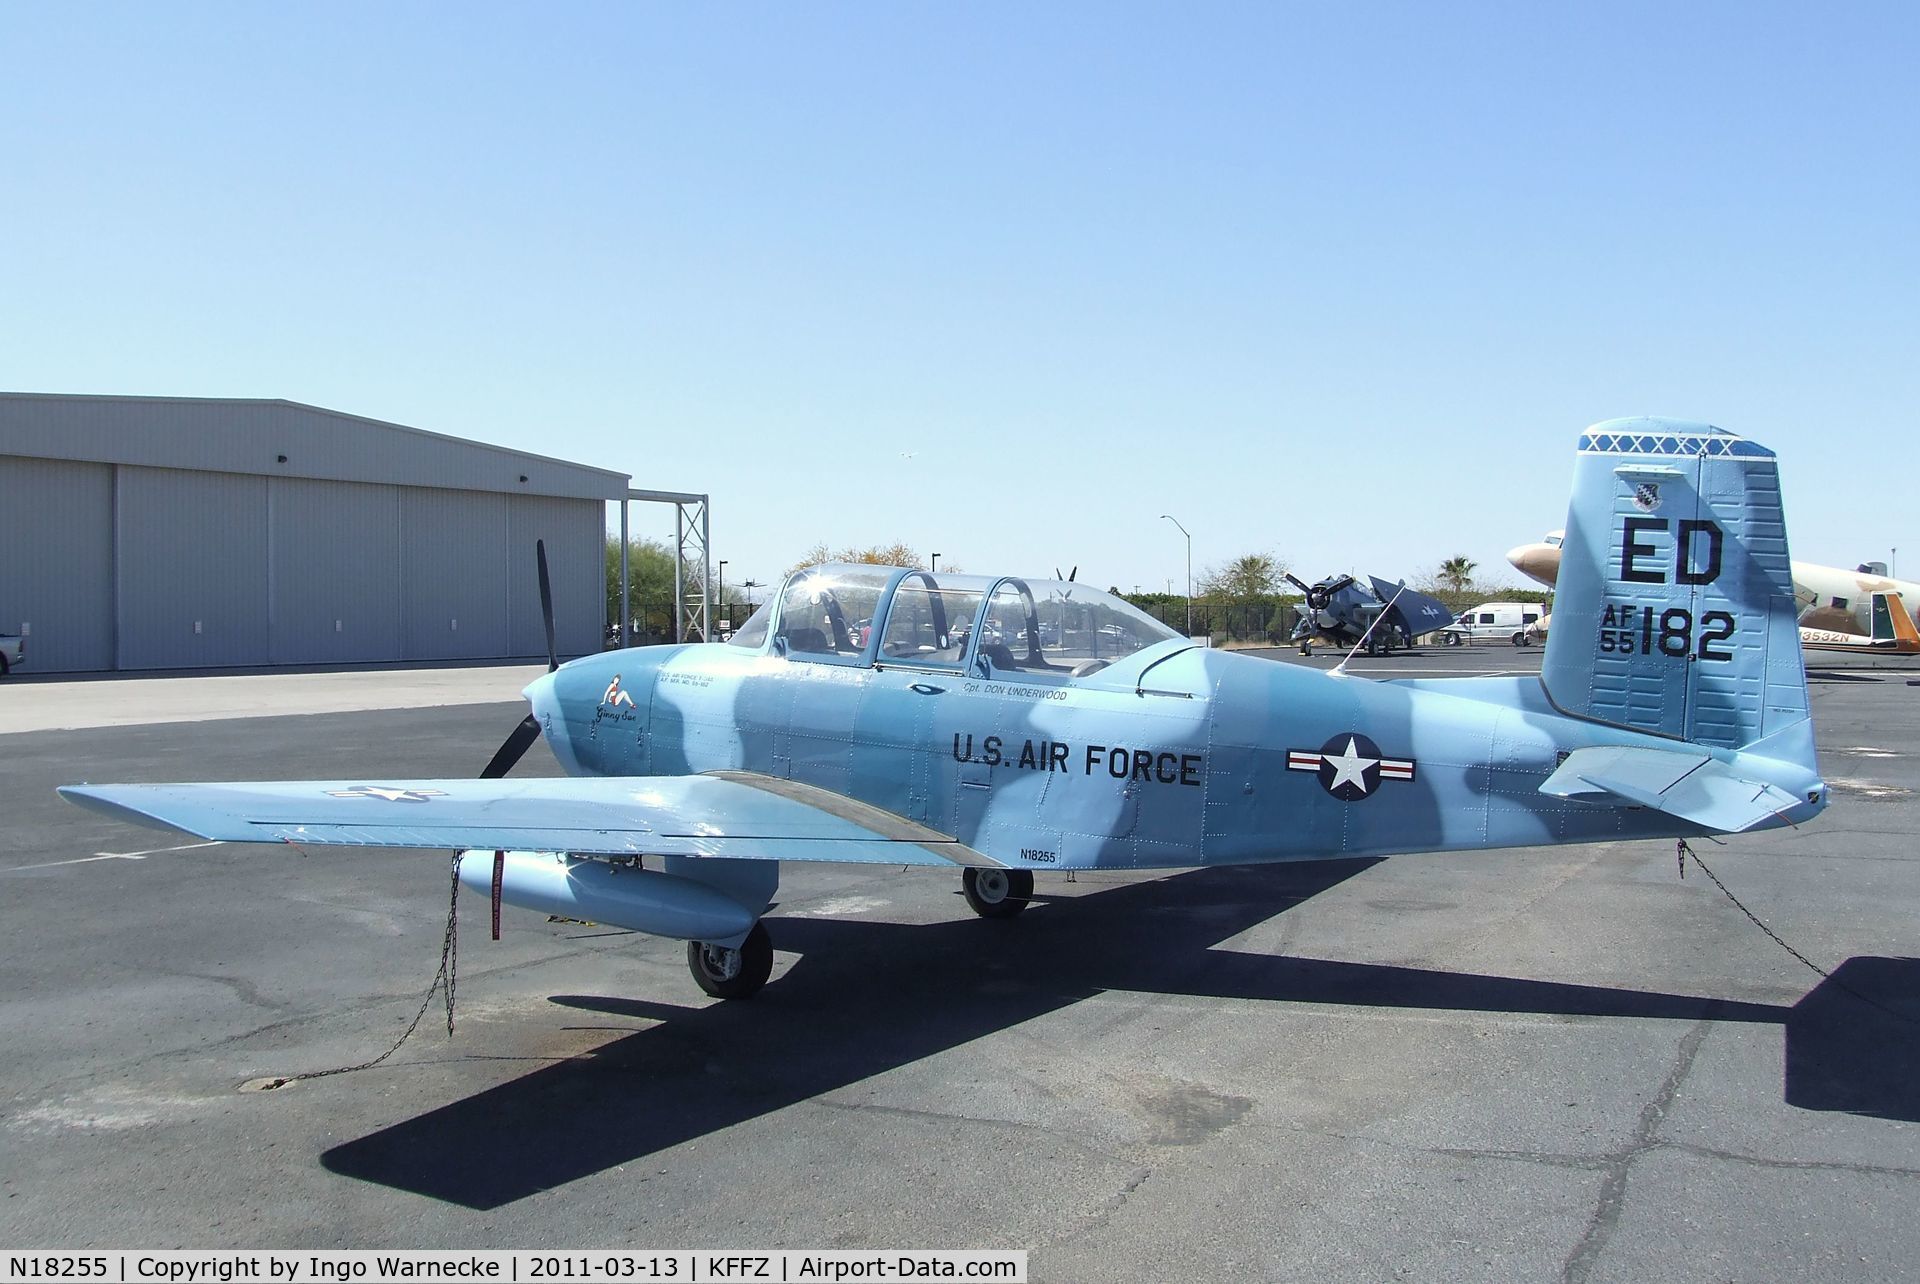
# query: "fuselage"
[1176,756]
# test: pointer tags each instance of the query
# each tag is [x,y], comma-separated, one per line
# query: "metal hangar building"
[166,532]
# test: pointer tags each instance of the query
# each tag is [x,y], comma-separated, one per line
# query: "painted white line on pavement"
[84,860]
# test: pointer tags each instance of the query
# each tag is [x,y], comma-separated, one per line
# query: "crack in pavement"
[1613,1188]
[1105,1213]
[1793,1165]
[941,1116]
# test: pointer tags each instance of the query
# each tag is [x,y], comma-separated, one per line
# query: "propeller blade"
[546,604]
[1339,584]
[1073,574]
[512,748]
[1296,581]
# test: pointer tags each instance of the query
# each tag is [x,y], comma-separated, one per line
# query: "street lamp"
[751,586]
[723,590]
[1183,530]
[936,563]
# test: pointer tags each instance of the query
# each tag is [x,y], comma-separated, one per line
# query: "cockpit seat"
[813,641]
[1000,654]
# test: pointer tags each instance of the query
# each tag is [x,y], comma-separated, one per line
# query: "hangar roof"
[280,439]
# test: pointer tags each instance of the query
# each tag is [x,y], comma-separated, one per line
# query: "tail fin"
[1675,613]
[1892,625]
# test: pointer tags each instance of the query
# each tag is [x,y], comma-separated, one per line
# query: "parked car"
[13,652]
[1494,621]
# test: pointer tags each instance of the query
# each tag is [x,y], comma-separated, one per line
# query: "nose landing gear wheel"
[728,973]
[997,893]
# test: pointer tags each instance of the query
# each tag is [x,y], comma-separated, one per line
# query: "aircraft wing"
[1418,612]
[1688,784]
[737,815]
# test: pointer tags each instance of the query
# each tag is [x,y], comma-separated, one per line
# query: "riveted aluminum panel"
[192,582]
[56,562]
[337,585]
[453,553]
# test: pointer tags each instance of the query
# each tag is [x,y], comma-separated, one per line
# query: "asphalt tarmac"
[1535,1064]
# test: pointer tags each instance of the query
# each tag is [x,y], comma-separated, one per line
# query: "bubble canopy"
[880,615]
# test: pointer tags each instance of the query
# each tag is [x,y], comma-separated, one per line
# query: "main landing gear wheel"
[997,893]
[729,973]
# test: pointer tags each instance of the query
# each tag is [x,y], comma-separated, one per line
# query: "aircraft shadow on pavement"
[867,997]
[1853,1042]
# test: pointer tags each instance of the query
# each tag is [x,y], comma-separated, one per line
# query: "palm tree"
[1456,573]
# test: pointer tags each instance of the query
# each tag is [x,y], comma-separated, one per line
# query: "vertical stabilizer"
[1674,612]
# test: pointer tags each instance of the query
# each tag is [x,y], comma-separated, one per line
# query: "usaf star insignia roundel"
[1350,766]
[387,793]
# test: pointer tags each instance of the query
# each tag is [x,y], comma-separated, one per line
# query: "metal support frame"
[692,564]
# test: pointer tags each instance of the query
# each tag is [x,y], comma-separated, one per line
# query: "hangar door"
[56,561]
[193,569]
[575,532]
[336,572]
[453,557]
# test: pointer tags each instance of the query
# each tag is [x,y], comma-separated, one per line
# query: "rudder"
[1674,611]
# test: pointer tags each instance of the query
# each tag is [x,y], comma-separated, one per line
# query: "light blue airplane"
[1004,726]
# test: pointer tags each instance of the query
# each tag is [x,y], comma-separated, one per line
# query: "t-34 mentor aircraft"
[1003,726]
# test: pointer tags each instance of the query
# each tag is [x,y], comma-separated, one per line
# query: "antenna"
[1340,670]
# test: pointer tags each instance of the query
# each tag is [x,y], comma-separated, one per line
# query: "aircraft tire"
[729,973]
[996,893]
[1306,648]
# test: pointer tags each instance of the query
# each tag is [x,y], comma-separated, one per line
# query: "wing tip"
[96,798]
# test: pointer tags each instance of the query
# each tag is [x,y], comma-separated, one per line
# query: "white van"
[1494,621]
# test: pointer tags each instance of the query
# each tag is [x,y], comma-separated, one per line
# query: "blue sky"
[1342,282]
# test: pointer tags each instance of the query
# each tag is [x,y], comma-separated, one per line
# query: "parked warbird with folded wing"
[1006,726]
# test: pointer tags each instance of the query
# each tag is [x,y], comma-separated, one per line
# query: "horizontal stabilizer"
[1689,785]
[738,815]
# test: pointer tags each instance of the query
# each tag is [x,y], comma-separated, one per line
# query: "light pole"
[1183,530]
[751,586]
[723,593]
[936,563]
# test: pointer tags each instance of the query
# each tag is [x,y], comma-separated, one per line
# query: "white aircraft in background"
[1858,610]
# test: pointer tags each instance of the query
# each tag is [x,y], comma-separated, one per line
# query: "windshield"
[1077,625]
[754,632]
[828,610]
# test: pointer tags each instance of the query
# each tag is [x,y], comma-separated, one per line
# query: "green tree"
[649,586]
[898,553]
[1248,576]
[1456,573]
